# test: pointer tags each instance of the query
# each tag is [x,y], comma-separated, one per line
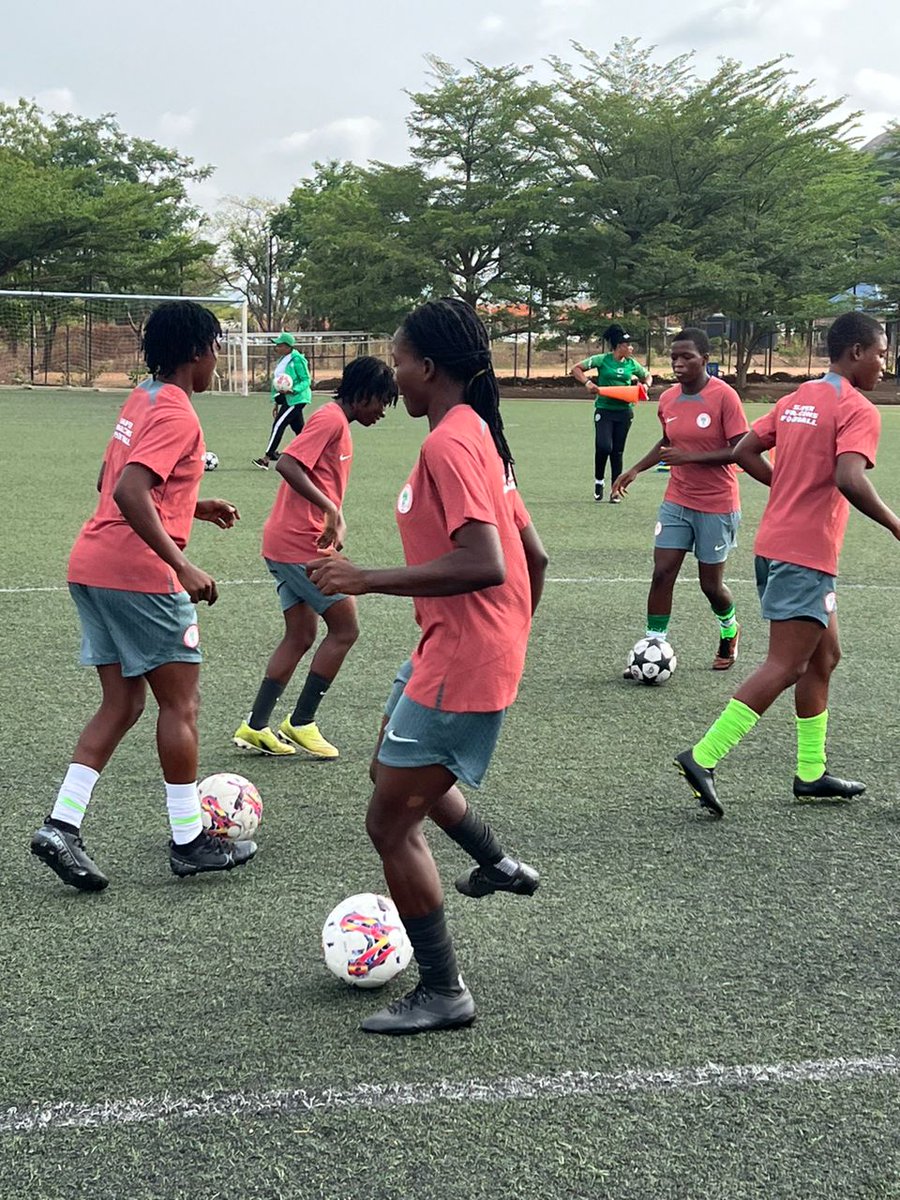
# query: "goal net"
[80,339]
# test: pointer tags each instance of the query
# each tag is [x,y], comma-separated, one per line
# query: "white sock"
[183,803]
[74,796]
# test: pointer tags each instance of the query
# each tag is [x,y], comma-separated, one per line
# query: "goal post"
[93,339]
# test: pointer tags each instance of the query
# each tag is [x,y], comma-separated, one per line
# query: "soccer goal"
[89,339]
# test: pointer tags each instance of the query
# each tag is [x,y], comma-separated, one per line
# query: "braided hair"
[176,332]
[453,336]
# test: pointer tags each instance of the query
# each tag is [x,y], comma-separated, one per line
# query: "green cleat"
[263,741]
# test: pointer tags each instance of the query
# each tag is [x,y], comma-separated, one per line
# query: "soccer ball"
[210,461]
[283,383]
[652,661]
[364,941]
[230,807]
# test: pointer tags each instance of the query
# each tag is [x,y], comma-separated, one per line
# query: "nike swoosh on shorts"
[394,737]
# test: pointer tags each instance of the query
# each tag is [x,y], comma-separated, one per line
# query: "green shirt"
[613,372]
[295,365]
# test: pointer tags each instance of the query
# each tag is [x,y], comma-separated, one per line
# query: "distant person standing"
[289,405]
[612,418]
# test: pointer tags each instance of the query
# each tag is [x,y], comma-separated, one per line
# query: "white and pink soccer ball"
[364,941]
[283,383]
[230,807]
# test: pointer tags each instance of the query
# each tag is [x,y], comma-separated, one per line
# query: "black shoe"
[208,853]
[598,492]
[482,881]
[423,1010]
[261,463]
[65,854]
[702,781]
[827,787]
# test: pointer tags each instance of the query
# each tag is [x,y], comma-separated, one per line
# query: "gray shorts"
[138,630]
[788,592]
[296,587]
[710,535]
[416,736]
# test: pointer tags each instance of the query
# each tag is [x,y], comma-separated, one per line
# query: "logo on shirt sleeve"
[405,499]
[704,420]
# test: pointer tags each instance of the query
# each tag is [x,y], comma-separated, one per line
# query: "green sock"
[658,626]
[727,623]
[811,746]
[724,734]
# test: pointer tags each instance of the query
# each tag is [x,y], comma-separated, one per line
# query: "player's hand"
[592,387]
[674,458]
[198,585]
[335,532]
[219,512]
[623,483]
[335,573]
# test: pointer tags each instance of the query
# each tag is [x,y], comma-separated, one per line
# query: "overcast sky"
[260,91]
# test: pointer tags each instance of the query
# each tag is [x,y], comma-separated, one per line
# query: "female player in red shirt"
[475,566]
[135,591]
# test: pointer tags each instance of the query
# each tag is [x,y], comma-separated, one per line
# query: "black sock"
[266,699]
[433,948]
[310,698]
[477,839]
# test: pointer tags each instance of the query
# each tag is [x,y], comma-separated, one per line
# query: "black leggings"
[286,415]
[610,435]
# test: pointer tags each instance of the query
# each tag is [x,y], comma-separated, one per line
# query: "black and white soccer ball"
[210,461]
[652,661]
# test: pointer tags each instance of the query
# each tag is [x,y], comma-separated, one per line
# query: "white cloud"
[492,23]
[61,100]
[173,126]
[881,87]
[352,136]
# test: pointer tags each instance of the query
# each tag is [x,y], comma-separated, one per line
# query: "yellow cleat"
[264,741]
[308,738]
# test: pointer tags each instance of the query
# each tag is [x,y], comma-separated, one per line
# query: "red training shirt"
[324,448]
[806,515]
[697,424]
[471,653]
[158,428]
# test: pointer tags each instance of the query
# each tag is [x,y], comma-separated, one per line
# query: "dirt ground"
[887,392]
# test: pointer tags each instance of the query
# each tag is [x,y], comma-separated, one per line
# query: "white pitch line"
[582,579]
[712,1077]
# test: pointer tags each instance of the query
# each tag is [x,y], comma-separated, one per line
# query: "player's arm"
[132,495]
[297,477]
[749,454]
[300,372]
[578,374]
[475,562]
[851,480]
[537,560]
[676,458]
[651,458]
[643,374]
[217,512]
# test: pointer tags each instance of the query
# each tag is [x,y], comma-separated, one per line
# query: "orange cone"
[630,395]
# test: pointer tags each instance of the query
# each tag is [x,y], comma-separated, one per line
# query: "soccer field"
[687,1008]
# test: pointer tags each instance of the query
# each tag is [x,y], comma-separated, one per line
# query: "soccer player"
[475,566]
[826,435]
[135,591]
[288,406]
[307,518]
[612,418]
[702,421]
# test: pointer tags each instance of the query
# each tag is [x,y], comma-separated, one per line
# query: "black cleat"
[482,881]
[423,1011]
[598,492]
[702,781]
[64,853]
[208,853]
[827,787]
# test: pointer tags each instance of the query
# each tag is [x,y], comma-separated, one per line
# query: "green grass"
[659,939]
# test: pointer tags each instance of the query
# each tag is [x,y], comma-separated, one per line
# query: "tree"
[91,208]
[257,263]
